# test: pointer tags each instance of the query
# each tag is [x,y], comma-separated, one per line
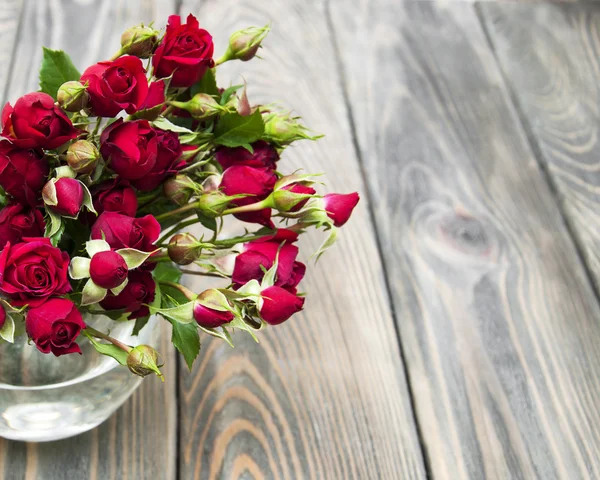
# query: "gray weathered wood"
[549,54]
[498,321]
[323,395]
[139,441]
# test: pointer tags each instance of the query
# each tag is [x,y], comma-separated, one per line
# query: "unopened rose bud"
[211,309]
[202,106]
[108,269]
[292,198]
[244,44]
[143,360]
[213,204]
[139,41]
[338,207]
[278,305]
[72,96]
[64,196]
[82,156]
[179,189]
[183,248]
[283,129]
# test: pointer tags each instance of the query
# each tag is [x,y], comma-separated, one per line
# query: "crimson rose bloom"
[139,292]
[32,271]
[36,122]
[257,184]
[209,318]
[260,254]
[108,269]
[154,103]
[22,173]
[186,52]
[279,305]
[18,221]
[121,231]
[130,148]
[69,195]
[339,206]
[264,156]
[167,161]
[115,196]
[117,85]
[54,325]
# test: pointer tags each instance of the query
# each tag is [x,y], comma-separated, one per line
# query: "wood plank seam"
[544,167]
[339,68]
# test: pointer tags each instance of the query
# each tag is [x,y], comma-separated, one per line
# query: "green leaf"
[164,124]
[166,272]
[57,68]
[139,324]
[234,130]
[226,95]
[208,222]
[186,340]
[7,332]
[207,84]
[182,313]
[109,350]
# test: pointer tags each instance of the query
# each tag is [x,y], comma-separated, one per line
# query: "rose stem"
[203,274]
[177,228]
[188,293]
[177,211]
[104,336]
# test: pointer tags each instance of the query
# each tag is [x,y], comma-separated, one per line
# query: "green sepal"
[134,258]
[92,247]
[183,313]
[92,293]
[7,332]
[79,268]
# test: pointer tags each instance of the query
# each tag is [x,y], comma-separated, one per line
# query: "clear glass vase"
[44,398]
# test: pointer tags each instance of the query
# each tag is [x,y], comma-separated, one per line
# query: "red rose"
[121,231]
[22,173]
[257,184]
[264,156]
[54,325]
[68,194]
[115,86]
[167,161]
[18,221]
[36,122]
[108,269]
[115,196]
[154,103]
[129,148]
[139,292]
[279,305]
[260,254]
[209,318]
[339,206]
[32,271]
[185,51]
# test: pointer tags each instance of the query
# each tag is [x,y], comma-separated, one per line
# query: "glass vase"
[44,398]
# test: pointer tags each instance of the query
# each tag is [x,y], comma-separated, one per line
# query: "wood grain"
[323,395]
[139,441]
[550,57]
[498,321]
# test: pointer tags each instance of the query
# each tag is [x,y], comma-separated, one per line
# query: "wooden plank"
[139,441]
[498,322]
[549,54]
[323,395]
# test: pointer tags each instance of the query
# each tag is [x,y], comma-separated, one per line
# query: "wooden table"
[454,331]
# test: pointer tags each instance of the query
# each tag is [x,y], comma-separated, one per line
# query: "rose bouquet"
[102,172]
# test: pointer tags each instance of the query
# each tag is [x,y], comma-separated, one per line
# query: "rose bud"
[116,85]
[155,102]
[54,325]
[292,198]
[139,41]
[210,318]
[339,206]
[64,196]
[167,161]
[121,231]
[213,204]
[256,184]
[179,189]
[185,52]
[202,106]
[130,148]
[143,360]
[244,44]
[32,271]
[82,156]
[22,173]
[18,221]
[279,305]
[115,196]
[283,129]
[264,155]
[108,269]
[36,122]
[138,293]
[183,248]
[72,96]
